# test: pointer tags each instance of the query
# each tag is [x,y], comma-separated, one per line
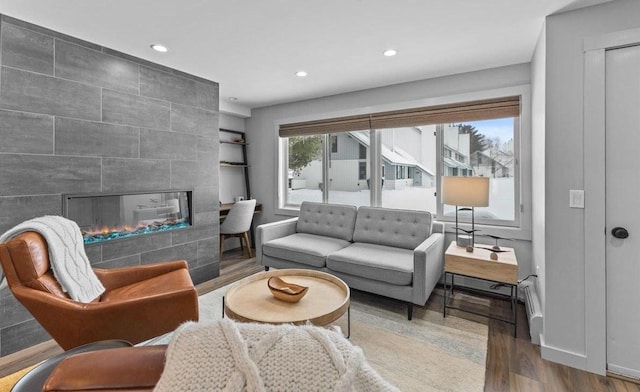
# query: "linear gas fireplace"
[111,217]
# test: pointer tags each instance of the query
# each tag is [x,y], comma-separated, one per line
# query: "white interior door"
[623,210]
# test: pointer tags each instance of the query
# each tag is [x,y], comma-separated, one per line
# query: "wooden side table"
[479,265]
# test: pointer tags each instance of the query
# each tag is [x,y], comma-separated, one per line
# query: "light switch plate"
[576,198]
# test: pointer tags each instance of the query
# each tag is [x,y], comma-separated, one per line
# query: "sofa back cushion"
[391,227]
[330,220]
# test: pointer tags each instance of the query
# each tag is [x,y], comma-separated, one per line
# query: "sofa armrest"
[437,227]
[270,231]
[124,276]
[130,369]
[428,265]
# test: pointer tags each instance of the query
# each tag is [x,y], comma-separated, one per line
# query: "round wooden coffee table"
[250,299]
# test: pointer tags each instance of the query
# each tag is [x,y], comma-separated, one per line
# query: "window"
[304,169]
[346,174]
[490,145]
[362,170]
[418,146]
[414,151]
[348,170]
[334,143]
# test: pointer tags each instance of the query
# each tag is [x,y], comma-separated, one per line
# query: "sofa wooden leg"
[409,311]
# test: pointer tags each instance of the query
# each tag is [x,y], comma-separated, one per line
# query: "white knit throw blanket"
[228,356]
[67,256]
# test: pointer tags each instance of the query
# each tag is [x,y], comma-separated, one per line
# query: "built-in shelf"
[244,164]
[224,164]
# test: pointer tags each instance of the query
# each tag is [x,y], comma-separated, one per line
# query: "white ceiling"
[253,48]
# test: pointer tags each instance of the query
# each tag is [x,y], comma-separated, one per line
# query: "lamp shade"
[465,191]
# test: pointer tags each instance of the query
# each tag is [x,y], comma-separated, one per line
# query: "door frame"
[594,186]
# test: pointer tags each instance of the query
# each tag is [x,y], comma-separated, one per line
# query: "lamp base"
[464,241]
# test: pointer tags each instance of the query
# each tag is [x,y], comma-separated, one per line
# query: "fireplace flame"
[102,233]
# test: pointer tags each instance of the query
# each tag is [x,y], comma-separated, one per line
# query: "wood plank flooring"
[513,364]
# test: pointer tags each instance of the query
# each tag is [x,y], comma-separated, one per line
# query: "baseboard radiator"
[534,312]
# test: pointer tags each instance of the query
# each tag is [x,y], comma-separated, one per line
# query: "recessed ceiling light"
[390,52]
[159,48]
[232,98]
[302,74]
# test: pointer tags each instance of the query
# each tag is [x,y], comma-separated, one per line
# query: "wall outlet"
[576,198]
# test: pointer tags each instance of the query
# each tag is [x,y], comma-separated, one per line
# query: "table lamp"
[468,192]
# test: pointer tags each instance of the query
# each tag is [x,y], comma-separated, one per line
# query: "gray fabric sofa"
[395,253]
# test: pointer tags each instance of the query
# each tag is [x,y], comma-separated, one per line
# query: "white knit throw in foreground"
[228,356]
[67,256]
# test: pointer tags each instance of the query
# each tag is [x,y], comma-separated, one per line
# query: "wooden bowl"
[284,291]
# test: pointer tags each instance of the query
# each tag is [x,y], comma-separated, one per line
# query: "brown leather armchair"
[139,303]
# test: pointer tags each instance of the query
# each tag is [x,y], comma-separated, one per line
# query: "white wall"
[263,135]
[234,123]
[538,163]
[565,328]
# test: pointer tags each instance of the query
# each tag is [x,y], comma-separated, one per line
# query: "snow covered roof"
[453,163]
[396,157]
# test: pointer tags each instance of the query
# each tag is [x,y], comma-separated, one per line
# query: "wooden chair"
[237,224]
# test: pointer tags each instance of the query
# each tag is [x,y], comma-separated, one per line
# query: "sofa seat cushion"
[377,262]
[304,248]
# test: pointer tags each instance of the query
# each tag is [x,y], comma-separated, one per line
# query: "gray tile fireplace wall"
[76,117]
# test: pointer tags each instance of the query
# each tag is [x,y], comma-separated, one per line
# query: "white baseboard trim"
[625,372]
[564,357]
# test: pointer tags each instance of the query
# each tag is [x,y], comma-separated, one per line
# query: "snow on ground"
[414,198]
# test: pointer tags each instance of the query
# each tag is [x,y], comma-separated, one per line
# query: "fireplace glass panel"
[109,217]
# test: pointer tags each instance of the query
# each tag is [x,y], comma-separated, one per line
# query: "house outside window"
[347,171]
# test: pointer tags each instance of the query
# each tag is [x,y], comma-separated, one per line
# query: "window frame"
[519,228]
